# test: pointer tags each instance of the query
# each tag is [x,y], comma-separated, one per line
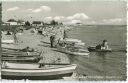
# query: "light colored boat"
[93,49]
[80,52]
[33,71]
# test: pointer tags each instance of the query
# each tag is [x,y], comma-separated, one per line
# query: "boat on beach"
[36,72]
[21,59]
[19,56]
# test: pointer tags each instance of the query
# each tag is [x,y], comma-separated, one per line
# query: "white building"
[12,22]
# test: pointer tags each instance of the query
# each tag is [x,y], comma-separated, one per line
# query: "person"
[104,44]
[65,34]
[52,38]
[14,36]
[8,33]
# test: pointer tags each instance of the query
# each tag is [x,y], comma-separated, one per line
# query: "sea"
[101,66]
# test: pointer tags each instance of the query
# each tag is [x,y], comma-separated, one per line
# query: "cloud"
[48,19]
[40,9]
[29,9]
[78,16]
[72,22]
[45,8]
[13,9]
[59,18]
[37,10]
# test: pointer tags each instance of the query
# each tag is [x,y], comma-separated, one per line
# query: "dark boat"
[93,49]
[20,54]
[47,72]
[21,59]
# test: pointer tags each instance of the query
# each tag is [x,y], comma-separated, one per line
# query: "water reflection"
[101,56]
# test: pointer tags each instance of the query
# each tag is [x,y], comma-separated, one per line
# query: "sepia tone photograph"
[64,40]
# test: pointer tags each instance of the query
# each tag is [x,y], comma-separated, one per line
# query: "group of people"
[57,37]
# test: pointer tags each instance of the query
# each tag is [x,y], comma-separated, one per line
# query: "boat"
[93,49]
[18,53]
[76,42]
[72,47]
[80,52]
[35,72]
[21,54]
[21,59]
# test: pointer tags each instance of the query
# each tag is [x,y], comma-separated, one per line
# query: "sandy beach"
[40,43]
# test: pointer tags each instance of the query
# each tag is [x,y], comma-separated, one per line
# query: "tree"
[27,23]
[53,22]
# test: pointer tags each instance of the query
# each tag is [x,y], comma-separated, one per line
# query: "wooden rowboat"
[21,59]
[21,54]
[79,52]
[43,73]
[93,49]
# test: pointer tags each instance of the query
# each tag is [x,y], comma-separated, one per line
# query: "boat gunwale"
[72,65]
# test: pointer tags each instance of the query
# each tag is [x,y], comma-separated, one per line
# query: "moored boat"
[93,49]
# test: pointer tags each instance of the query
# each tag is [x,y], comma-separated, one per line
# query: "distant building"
[37,23]
[11,22]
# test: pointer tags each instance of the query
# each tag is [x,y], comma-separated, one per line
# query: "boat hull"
[38,74]
[62,50]
[20,59]
[93,49]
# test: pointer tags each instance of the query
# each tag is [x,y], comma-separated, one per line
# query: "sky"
[86,12]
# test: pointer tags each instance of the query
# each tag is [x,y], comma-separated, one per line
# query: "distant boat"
[93,49]
[47,72]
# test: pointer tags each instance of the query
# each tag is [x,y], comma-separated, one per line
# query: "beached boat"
[20,54]
[93,49]
[17,53]
[34,72]
[21,59]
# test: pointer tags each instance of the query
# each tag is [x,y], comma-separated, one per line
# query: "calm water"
[110,66]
